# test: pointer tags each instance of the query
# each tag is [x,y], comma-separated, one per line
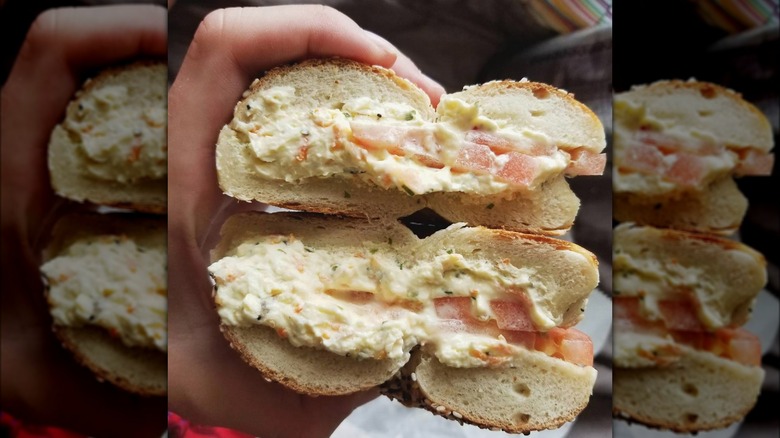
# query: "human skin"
[41,383]
[208,382]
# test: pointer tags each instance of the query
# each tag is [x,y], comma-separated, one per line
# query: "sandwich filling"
[662,152]
[658,279]
[379,303]
[121,131]
[110,282]
[644,341]
[390,145]
[663,305]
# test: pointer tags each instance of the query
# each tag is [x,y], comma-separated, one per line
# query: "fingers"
[61,45]
[406,68]
[86,38]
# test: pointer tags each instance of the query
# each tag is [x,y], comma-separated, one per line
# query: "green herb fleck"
[378,116]
[334,267]
[490,206]
[448,292]
[474,298]
[308,249]
[449,251]
[401,266]
[347,195]
[373,250]
[407,190]
[410,115]
[389,240]
[281,250]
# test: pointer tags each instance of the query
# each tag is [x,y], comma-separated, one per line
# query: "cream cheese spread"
[639,350]
[110,282]
[374,303]
[633,124]
[121,138]
[656,279]
[291,145]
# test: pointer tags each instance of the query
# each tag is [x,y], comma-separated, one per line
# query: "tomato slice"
[512,315]
[576,347]
[753,162]
[680,315]
[478,153]
[687,171]
[454,308]
[520,169]
[458,309]
[475,157]
[584,162]
[417,143]
[496,144]
[570,345]
[680,321]
[515,325]
[643,158]
[740,345]
[626,316]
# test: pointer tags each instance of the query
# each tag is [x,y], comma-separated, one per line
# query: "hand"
[209,383]
[41,383]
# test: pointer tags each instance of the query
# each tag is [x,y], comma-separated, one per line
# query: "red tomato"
[680,315]
[626,316]
[498,145]
[741,346]
[754,162]
[475,158]
[567,344]
[570,345]
[680,321]
[512,315]
[519,170]
[584,162]
[414,142]
[687,171]
[453,308]
[577,347]
[643,158]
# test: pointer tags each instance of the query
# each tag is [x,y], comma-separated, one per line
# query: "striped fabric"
[735,16]
[565,16]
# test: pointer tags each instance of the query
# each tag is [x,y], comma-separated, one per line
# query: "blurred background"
[734,43]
